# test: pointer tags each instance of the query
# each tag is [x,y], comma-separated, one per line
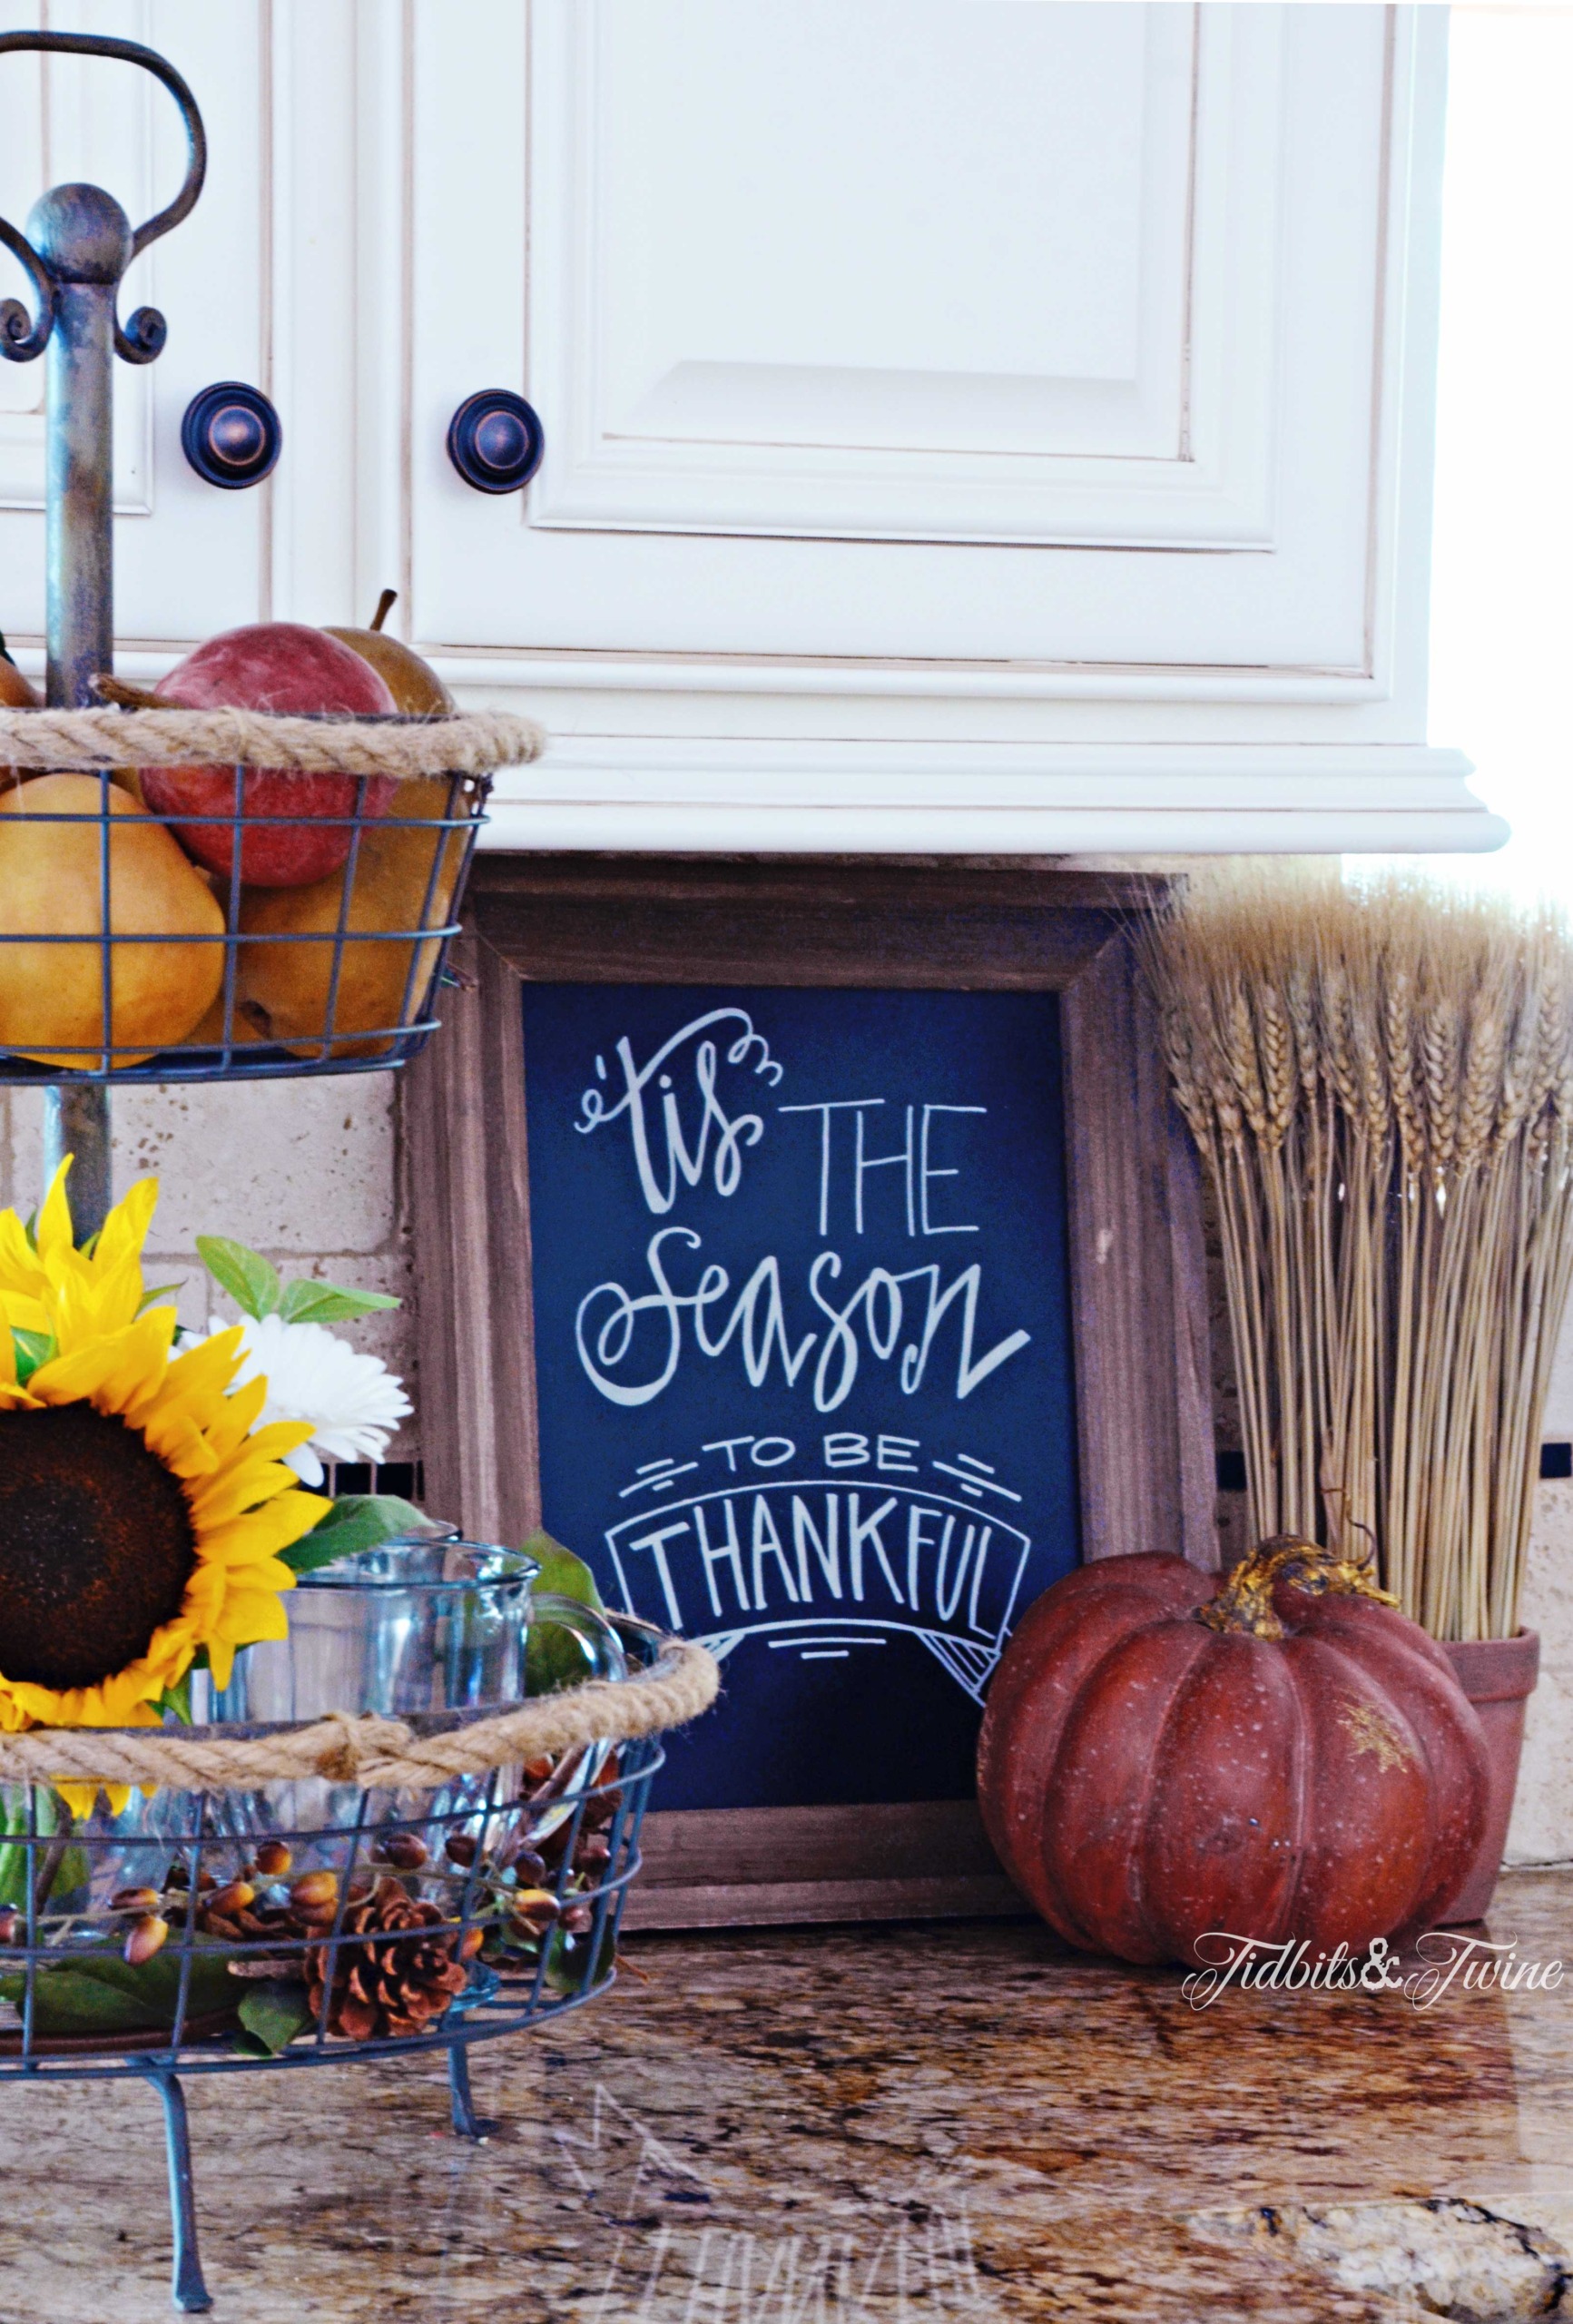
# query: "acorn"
[135,1900]
[316,1895]
[145,1939]
[405,1851]
[273,1858]
[534,1910]
[179,1875]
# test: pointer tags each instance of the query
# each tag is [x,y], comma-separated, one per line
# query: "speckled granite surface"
[829,2127]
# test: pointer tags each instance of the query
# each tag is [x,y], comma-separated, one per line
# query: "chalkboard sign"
[803,1355]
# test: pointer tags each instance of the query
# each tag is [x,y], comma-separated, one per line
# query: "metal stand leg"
[467,2123]
[191,2294]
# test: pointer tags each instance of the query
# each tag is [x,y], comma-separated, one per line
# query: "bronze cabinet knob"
[232,435]
[495,440]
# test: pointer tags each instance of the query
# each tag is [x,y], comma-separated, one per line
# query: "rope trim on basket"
[382,1754]
[85,741]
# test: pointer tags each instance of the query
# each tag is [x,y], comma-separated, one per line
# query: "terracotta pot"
[1497,1675]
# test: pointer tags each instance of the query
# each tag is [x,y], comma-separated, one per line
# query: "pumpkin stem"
[1246,1601]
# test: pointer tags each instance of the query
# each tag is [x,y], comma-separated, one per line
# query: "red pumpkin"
[1282,1755]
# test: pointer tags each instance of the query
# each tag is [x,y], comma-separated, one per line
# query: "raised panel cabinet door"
[189,560]
[926,331]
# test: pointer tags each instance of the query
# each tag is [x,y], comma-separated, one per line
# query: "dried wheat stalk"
[1380,1078]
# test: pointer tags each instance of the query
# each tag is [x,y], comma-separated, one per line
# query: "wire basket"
[319,1919]
[290,914]
[389,1929]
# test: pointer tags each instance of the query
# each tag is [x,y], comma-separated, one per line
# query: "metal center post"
[78,244]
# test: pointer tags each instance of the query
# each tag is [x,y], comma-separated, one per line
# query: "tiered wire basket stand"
[394,1907]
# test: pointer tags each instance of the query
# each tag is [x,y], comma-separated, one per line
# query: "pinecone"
[397,1978]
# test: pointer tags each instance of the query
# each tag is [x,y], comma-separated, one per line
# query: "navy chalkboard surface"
[803,1355]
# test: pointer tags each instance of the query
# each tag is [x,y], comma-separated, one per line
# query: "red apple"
[279,665]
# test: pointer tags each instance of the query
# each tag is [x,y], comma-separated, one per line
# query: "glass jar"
[428,1622]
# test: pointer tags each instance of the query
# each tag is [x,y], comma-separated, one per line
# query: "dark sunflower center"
[97,1546]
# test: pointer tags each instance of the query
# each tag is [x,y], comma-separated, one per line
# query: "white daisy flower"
[353,1401]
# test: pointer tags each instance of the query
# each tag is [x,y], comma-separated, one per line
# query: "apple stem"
[385,605]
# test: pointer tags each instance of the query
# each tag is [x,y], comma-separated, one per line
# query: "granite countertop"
[846,2127]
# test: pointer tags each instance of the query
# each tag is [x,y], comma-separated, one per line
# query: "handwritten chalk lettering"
[606,1327]
[845,1449]
[764,1451]
[658,1182]
[750,1558]
[911,1158]
[878,1304]
[927,1172]
[896,1452]
[731,1446]
[605,1324]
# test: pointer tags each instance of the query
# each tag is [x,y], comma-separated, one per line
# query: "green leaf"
[561,1570]
[327,1303]
[177,1698]
[250,1280]
[15,1858]
[69,2001]
[101,1993]
[32,1348]
[273,2014]
[554,1657]
[357,1521]
[568,1972]
[159,1291]
[69,1889]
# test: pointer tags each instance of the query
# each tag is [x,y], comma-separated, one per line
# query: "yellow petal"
[114,1373]
[56,1236]
[207,1368]
[279,1436]
[239,1485]
[19,1267]
[249,1615]
[180,1445]
[125,1229]
[263,1533]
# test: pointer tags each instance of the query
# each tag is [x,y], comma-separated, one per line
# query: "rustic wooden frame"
[1138,1291]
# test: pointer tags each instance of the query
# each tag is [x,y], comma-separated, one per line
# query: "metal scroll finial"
[78,245]
[23,337]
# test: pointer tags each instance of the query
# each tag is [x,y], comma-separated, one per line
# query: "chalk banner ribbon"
[799,1560]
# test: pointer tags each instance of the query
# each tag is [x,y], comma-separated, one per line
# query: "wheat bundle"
[1379,1075]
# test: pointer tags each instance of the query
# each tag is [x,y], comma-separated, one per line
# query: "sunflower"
[142,1510]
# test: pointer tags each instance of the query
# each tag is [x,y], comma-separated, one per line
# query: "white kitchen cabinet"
[970,425]
[967,425]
